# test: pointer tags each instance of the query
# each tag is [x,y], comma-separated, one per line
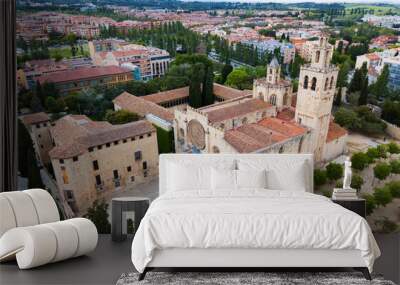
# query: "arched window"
[327,57]
[244,121]
[215,149]
[326,84]
[272,99]
[270,71]
[317,55]
[181,133]
[332,81]
[305,85]
[313,83]
[281,149]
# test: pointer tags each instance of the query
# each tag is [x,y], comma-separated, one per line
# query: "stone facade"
[272,88]
[315,96]
[99,158]
[276,127]
[38,126]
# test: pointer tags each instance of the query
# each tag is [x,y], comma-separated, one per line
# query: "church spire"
[273,71]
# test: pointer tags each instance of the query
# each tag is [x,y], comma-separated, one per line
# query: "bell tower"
[273,71]
[317,84]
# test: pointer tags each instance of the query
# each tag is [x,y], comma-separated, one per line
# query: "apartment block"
[77,79]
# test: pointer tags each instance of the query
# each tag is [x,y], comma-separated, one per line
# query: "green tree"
[373,153]
[36,105]
[370,203]
[208,87]
[238,79]
[363,99]
[98,214]
[226,70]
[356,182]
[346,118]
[359,160]
[120,117]
[334,171]
[319,177]
[382,196]
[195,93]
[380,88]
[393,147]
[338,98]
[382,170]
[391,112]
[395,166]
[394,187]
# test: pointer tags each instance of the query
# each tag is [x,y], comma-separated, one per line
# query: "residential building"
[152,62]
[77,79]
[93,159]
[394,70]
[287,50]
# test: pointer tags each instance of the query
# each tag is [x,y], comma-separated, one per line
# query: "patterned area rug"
[243,278]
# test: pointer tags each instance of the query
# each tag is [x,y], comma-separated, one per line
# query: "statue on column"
[347,174]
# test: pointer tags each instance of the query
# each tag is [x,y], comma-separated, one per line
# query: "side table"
[358,205]
[119,208]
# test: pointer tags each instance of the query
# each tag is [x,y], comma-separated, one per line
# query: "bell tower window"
[305,85]
[313,83]
[317,56]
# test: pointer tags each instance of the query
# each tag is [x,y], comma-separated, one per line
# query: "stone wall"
[393,130]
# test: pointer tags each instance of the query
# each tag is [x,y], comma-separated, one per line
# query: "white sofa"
[31,231]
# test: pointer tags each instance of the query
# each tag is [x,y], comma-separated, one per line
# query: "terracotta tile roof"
[133,52]
[373,56]
[83,73]
[226,92]
[35,118]
[166,96]
[73,135]
[254,137]
[237,110]
[335,131]
[289,129]
[142,107]
[286,114]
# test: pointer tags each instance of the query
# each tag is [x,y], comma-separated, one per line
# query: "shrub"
[359,160]
[382,170]
[339,184]
[372,153]
[394,188]
[356,182]
[334,171]
[382,149]
[386,226]
[395,166]
[393,147]
[383,196]
[98,214]
[370,203]
[327,193]
[319,177]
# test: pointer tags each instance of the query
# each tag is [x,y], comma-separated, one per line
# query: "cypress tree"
[195,94]
[363,99]
[208,93]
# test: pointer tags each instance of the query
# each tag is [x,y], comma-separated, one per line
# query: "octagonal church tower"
[317,84]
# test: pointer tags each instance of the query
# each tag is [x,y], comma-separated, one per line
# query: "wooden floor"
[106,264]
